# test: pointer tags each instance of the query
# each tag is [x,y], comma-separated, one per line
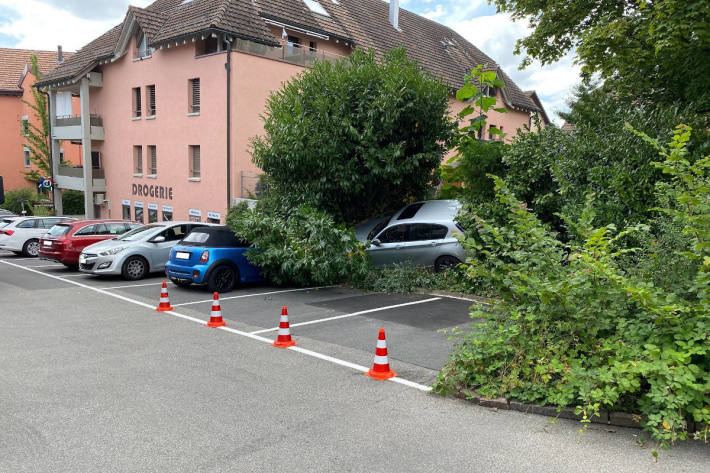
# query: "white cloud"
[40,24]
[434,14]
[495,35]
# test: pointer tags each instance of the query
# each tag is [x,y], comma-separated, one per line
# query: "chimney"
[60,55]
[394,13]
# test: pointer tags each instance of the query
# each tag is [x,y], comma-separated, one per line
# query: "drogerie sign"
[158,192]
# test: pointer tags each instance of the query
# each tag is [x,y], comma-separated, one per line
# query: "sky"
[43,24]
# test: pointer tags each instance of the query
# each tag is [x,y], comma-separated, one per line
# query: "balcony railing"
[70,171]
[292,53]
[74,120]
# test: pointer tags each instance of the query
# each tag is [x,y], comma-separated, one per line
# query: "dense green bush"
[403,278]
[73,202]
[298,246]
[573,327]
[14,200]
[357,138]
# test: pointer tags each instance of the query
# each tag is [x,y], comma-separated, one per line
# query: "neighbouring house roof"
[568,127]
[533,96]
[363,23]
[14,61]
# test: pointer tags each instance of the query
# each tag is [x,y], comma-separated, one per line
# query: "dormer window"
[316,7]
[142,50]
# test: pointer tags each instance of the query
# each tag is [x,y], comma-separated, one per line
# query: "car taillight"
[7,232]
[205,256]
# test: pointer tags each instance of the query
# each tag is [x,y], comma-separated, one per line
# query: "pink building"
[16,81]
[171,96]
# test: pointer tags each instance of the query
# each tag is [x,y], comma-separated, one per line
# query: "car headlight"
[113,251]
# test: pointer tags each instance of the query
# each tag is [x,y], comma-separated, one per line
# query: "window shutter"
[195,95]
[195,161]
[151,100]
[153,160]
[137,102]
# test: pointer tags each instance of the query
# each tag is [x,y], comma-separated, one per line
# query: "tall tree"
[37,137]
[656,50]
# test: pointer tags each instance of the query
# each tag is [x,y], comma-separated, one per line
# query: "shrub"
[299,246]
[356,138]
[574,328]
[73,202]
[15,199]
[402,278]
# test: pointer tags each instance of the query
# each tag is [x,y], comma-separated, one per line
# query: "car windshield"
[59,230]
[138,233]
[378,228]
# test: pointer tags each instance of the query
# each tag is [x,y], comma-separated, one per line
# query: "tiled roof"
[12,65]
[438,49]
[533,96]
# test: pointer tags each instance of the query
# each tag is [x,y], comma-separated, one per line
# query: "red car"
[64,241]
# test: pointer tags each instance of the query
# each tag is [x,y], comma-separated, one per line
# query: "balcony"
[69,128]
[293,53]
[73,178]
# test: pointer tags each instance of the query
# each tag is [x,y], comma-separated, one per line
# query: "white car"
[21,235]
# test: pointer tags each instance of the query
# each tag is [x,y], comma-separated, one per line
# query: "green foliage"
[73,202]
[552,170]
[403,278]
[37,138]
[637,47]
[573,327]
[298,246]
[356,138]
[15,199]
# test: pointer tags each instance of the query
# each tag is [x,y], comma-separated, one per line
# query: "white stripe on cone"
[381,360]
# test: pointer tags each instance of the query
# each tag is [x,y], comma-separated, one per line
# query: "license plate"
[47,243]
[182,255]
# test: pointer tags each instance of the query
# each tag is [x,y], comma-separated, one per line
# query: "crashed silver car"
[421,234]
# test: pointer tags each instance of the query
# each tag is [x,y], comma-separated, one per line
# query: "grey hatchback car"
[422,234]
[136,253]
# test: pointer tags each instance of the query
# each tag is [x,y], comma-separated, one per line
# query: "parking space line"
[368,311]
[304,351]
[252,295]
[63,275]
[55,265]
[137,285]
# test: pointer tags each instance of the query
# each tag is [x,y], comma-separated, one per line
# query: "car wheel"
[222,279]
[31,248]
[134,268]
[181,282]
[446,262]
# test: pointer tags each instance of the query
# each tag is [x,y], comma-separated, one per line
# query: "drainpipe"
[228,66]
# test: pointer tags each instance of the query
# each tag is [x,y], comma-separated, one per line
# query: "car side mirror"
[376,242]
[159,239]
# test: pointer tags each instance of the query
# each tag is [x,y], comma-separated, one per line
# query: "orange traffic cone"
[216,315]
[164,301]
[284,339]
[381,367]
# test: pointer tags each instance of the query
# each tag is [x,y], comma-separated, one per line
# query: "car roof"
[430,211]
[83,223]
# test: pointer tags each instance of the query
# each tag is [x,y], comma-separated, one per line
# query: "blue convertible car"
[213,256]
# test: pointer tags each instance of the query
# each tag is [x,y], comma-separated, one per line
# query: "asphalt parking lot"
[341,321]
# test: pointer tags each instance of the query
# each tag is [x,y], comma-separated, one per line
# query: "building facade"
[17,114]
[170,98]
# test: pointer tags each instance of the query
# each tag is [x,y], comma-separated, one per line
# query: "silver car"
[136,253]
[422,234]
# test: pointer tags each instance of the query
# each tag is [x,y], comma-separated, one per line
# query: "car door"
[160,250]
[421,247]
[82,238]
[389,250]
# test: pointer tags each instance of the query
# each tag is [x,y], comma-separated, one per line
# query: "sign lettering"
[158,192]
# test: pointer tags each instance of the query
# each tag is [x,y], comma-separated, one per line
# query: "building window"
[143,50]
[153,156]
[150,97]
[312,46]
[61,155]
[136,102]
[194,92]
[208,45]
[137,160]
[25,125]
[167,213]
[28,161]
[96,159]
[139,212]
[152,214]
[501,132]
[316,7]
[64,104]
[195,162]
[126,211]
[490,91]
[491,136]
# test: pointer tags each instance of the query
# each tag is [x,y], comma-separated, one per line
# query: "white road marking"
[459,298]
[328,319]
[304,351]
[55,265]
[252,295]
[63,275]
[137,285]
